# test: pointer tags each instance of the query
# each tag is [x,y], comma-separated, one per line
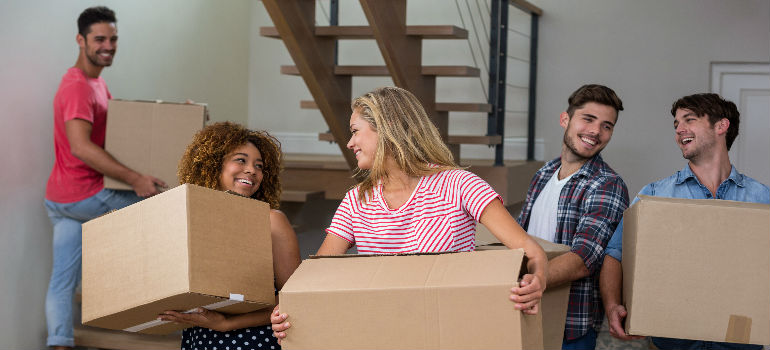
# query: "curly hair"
[202,162]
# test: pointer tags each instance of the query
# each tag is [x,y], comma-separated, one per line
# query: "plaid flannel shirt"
[590,206]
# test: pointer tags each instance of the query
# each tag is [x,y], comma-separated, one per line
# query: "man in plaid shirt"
[578,200]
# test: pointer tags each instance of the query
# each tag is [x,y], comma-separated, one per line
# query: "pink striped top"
[440,216]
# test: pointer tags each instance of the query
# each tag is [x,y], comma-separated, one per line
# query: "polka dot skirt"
[252,338]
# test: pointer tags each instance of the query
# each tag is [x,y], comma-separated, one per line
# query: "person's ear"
[80,40]
[722,125]
[564,119]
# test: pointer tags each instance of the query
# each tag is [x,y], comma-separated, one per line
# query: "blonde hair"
[404,132]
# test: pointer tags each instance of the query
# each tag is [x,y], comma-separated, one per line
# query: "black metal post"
[334,20]
[532,88]
[498,57]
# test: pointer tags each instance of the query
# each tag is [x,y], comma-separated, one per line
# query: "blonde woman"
[414,198]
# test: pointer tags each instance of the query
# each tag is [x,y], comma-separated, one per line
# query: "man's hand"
[201,317]
[147,186]
[278,325]
[528,294]
[616,314]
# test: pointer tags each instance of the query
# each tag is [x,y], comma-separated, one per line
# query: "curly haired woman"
[228,157]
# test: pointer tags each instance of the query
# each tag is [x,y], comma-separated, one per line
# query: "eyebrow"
[595,117]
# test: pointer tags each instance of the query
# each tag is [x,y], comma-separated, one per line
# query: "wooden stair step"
[365,32]
[382,71]
[475,140]
[301,196]
[440,106]
[90,337]
[453,139]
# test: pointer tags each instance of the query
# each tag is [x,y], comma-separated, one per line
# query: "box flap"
[687,247]
[230,245]
[151,137]
[410,271]
[413,301]
[119,260]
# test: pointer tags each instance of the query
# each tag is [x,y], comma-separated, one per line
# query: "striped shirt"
[440,216]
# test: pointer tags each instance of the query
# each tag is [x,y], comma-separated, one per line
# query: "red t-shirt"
[78,97]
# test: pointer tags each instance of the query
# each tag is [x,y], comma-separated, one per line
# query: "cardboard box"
[697,269]
[184,248]
[555,300]
[431,301]
[150,137]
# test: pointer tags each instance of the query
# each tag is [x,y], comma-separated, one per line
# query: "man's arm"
[79,137]
[611,285]
[601,210]
[566,268]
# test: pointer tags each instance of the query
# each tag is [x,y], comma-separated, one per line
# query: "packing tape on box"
[738,329]
[234,299]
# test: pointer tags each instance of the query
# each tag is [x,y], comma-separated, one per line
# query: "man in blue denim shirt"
[705,127]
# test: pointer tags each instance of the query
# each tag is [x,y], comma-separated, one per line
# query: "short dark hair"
[91,15]
[715,107]
[593,93]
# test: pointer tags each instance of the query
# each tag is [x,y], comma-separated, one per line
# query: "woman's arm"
[502,225]
[285,247]
[333,245]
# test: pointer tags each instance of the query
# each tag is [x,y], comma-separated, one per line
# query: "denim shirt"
[684,184]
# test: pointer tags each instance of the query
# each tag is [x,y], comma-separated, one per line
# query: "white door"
[748,86]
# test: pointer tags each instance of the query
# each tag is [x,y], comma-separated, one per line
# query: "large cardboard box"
[555,300]
[150,137]
[697,269]
[184,248]
[431,301]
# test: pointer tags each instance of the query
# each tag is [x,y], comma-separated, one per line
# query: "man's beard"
[571,146]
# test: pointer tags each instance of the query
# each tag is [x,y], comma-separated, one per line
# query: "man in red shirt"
[75,192]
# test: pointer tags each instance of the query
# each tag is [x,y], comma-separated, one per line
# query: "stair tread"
[379,71]
[365,32]
[453,139]
[440,106]
[90,337]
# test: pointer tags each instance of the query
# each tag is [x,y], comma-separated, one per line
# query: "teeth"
[588,141]
[687,140]
[245,181]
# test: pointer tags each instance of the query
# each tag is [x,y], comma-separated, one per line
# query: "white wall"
[651,53]
[171,50]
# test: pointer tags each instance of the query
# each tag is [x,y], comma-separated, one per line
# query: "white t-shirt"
[542,221]
[440,216]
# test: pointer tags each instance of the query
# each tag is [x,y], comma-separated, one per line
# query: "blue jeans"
[65,275]
[587,341]
[686,344]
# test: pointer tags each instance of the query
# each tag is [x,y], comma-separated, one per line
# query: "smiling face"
[100,44]
[695,135]
[589,129]
[363,142]
[242,170]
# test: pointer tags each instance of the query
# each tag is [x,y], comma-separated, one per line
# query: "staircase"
[313,50]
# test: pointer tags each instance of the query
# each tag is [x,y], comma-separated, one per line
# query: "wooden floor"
[89,337]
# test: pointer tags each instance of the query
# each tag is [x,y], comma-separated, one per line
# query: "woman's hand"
[528,294]
[278,325]
[201,317]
